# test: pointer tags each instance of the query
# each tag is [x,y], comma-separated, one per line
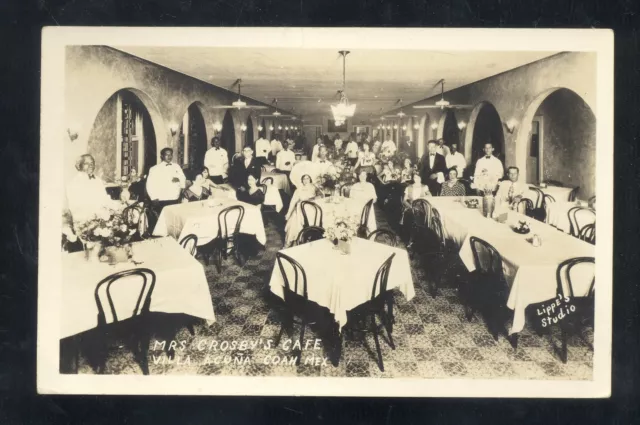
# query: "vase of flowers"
[486,184]
[106,236]
[341,232]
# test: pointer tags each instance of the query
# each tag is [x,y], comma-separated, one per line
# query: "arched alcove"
[485,126]
[424,134]
[567,140]
[192,140]
[228,134]
[248,133]
[449,130]
[123,136]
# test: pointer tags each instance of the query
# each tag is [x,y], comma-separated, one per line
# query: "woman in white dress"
[367,159]
[307,191]
[363,190]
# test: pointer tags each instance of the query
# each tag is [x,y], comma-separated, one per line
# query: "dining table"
[201,219]
[280,181]
[530,271]
[341,282]
[181,285]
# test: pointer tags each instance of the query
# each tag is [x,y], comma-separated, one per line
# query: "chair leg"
[377,341]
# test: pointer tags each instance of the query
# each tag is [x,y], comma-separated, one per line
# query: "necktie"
[92,177]
[167,164]
[511,191]
[217,149]
[488,157]
[432,155]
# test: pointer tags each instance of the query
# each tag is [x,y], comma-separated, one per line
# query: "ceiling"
[305,81]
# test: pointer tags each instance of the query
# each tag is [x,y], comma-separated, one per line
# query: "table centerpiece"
[340,232]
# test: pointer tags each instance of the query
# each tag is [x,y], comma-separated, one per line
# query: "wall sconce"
[243,127]
[260,128]
[73,135]
[388,127]
[279,127]
[395,126]
[286,128]
[416,126]
[217,127]
[434,126]
[404,128]
[174,129]
[271,128]
[510,125]
[462,125]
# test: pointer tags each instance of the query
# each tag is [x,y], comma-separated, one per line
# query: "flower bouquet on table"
[485,184]
[106,236]
[341,231]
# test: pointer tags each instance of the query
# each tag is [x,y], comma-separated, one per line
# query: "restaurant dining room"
[317,212]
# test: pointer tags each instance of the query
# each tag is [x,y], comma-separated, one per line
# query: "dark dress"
[257,198]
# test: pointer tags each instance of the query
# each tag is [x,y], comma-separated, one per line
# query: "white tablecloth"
[530,271]
[342,282]
[181,286]
[201,219]
[346,208]
[280,181]
[558,215]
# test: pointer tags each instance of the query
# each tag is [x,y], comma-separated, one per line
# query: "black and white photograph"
[353,212]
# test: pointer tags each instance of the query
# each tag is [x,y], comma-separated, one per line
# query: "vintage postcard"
[330,212]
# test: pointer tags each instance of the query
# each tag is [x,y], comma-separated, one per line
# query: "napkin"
[440,177]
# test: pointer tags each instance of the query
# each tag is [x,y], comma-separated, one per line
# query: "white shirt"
[363,191]
[338,144]
[86,197]
[283,157]
[492,165]
[352,149]
[276,146]
[389,147]
[314,152]
[456,160]
[262,148]
[323,165]
[443,150]
[159,182]
[519,189]
[217,161]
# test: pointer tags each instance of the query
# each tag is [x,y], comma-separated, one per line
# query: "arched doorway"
[124,119]
[424,134]
[557,141]
[448,129]
[248,133]
[485,126]
[228,134]
[192,142]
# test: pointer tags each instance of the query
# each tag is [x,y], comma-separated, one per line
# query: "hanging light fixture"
[343,109]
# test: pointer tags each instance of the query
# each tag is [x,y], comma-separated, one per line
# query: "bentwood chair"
[422,236]
[538,211]
[363,230]
[573,194]
[487,289]
[190,243]
[310,234]
[554,183]
[297,307]
[525,206]
[380,305]
[580,217]
[345,190]
[588,233]
[384,236]
[226,241]
[437,255]
[310,206]
[267,180]
[135,329]
[582,298]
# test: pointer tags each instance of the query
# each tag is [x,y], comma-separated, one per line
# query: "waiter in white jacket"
[165,181]
[263,147]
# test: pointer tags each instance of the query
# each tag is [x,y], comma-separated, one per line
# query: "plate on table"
[471,203]
[522,228]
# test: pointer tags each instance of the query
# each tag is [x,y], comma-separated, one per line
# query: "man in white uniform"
[511,191]
[217,161]
[276,146]
[489,164]
[86,193]
[316,149]
[443,149]
[337,142]
[352,151]
[285,158]
[262,150]
[456,159]
[165,181]
[388,147]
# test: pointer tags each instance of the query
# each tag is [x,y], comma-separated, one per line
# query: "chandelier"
[343,110]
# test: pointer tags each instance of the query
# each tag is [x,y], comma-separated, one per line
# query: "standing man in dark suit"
[243,167]
[408,147]
[430,165]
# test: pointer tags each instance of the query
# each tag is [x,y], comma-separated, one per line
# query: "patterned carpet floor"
[432,336]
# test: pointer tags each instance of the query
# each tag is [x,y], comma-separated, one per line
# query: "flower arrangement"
[108,227]
[485,184]
[342,229]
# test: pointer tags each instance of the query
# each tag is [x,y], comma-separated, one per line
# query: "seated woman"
[417,190]
[367,158]
[251,193]
[363,190]
[453,187]
[305,192]
[407,171]
[201,187]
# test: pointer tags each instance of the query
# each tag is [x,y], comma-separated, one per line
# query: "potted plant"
[106,236]
[341,232]
[486,184]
